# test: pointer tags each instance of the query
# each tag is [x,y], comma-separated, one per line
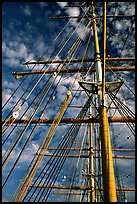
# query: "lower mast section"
[109,187]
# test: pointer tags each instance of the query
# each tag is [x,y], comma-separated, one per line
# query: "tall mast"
[109,187]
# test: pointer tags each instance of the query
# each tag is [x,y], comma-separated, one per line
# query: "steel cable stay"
[129,32]
[129,174]
[125,176]
[114,95]
[113,35]
[124,113]
[64,104]
[63,143]
[19,100]
[74,170]
[39,99]
[34,128]
[120,78]
[13,118]
[70,131]
[121,179]
[31,91]
[116,135]
[123,106]
[117,175]
[122,186]
[40,93]
[82,195]
[60,167]
[98,168]
[97,164]
[35,85]
[124,116]
[46,69]
[53,141]
[125,101]
[85,181]
[114,32]
[84,55]
[40,59]
[25,113]
[14,145]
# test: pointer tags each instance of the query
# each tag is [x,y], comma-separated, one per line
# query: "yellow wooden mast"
[109,186]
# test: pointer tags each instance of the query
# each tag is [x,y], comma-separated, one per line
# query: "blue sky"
[27,31]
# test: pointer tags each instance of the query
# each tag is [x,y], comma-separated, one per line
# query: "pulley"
[15,114]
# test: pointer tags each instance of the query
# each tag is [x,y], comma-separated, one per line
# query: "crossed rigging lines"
[39,98]
[15,143]
[56,164]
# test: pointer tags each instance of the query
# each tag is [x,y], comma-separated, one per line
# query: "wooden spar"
[109,186]
[75,70]
[87,149]
[77,193]
[85,156]
[108,16]
[72,120]
[78,60]
[69,193]
[79,187]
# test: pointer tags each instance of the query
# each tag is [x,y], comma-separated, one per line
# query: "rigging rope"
[74,170]
[39,60]
[9,174]
[66,141]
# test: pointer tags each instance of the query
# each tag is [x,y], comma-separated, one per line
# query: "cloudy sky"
[29,34]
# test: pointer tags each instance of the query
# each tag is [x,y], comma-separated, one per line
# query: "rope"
[39,60]
[62,144]
[73,173]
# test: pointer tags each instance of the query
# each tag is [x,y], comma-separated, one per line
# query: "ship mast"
[108,178]
[109,187]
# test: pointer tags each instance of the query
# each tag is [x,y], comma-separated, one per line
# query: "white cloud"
[15,53]
[27,11]
[62,4]
[119,25]
[73,11]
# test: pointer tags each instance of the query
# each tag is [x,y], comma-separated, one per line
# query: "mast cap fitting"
[69,93]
